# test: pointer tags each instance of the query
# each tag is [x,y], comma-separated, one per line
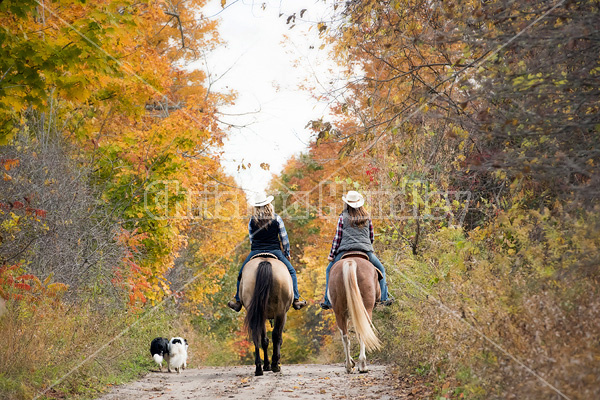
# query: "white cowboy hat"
[354,199]
[261,199]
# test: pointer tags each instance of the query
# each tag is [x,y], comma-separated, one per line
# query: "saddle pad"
[360,254]
[355,253]
[264,255]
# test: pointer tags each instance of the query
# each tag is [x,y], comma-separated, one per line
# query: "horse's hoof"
[276,368]
[266,367]
[363,371]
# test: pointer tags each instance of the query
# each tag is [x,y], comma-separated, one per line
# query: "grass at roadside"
[43,344]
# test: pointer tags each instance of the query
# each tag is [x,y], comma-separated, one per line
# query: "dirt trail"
[294,382]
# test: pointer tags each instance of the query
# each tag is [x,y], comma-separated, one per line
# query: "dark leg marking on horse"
[257,362]
[277,341]
[265,347]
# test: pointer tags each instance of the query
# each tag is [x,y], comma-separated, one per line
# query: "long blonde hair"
[263,215]
[359,217]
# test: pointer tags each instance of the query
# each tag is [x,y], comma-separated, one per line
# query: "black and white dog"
[177,354]
[159,348]
[186,353]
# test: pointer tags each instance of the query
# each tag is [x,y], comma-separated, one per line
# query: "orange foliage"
[14,285]
[115,75]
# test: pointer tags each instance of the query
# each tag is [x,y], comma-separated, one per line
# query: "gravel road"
[304,381]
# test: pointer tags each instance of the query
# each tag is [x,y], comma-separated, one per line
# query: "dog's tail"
[256,315]
[158,358]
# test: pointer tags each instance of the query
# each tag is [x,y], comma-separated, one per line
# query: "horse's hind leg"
[346,342]
[257,360]
[277,341]
[265,347]
[362,358]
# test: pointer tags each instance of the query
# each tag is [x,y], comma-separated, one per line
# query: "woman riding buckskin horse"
[354,232]
[267,235]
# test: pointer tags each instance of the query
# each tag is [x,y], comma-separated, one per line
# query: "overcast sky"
[268,63]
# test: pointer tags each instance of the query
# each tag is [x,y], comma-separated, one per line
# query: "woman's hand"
[330,258]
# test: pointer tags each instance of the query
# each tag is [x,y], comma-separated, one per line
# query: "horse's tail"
[358,313]
[256,315]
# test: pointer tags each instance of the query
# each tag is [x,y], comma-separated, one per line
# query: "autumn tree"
[480,119]
[114,75]
[533,108]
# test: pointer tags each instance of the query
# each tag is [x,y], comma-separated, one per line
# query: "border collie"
[159,348]
[184,366]
[177,354]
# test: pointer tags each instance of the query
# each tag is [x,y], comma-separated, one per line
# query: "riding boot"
[325,306]
[298,304]
[235,305]
[390,300]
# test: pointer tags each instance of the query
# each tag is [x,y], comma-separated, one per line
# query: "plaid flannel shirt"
[283,237]
[337,239]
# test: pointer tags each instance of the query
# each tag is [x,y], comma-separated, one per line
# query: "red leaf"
[22,286]
[40,213]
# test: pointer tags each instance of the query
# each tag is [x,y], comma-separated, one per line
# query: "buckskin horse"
[353,291]
[266,293]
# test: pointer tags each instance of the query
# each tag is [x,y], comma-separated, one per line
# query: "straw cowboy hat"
[261,199]
[354,199]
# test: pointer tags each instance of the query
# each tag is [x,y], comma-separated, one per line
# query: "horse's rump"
[281,294]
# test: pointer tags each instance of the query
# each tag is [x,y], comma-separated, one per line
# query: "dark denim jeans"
[374,260]
[282,258]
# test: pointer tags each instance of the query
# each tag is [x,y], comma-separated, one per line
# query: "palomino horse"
[353,291]
[266,293]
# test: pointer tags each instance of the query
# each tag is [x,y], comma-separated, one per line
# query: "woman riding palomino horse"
[266,292]
[267,235]
[354,232]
